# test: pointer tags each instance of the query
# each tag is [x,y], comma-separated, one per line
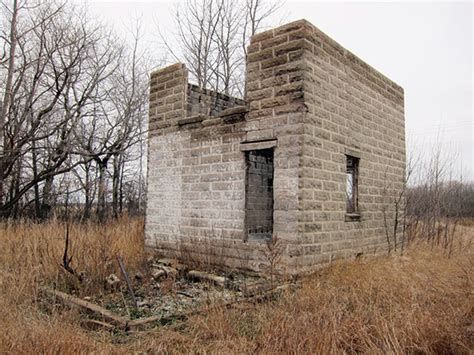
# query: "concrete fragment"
[112,280]
[205,276]
[158,274]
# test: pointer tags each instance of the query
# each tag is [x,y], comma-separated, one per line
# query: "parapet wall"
[168,92]
[173,98]
[208,102]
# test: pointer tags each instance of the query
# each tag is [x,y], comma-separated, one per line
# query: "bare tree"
[65,77]
[437,201]
[212,37]
[395,206]
[86,176]
[10,61]
[36,77]
[255,13]
[196,22]
[114,125]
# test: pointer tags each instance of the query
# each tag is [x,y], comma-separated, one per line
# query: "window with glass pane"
[352,170]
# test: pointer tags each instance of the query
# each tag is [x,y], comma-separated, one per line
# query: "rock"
[256,288]
[158,274]
[138,275]
[165,262]
[159,271]
[205,276]
[142,303]
[87,298]
[170,271]
[112,280]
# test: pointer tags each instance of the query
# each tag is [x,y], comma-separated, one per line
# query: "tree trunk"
[87,193]
[122,167]
[47,204]
[101,208]
[115,186]
[15,189]
[6,98]
[35,178]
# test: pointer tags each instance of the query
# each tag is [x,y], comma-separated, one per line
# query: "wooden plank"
[92,307]
[96,324]
[142,321]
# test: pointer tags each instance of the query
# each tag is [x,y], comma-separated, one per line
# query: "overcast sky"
[426,47]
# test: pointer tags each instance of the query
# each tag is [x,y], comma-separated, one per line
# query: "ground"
[418,301]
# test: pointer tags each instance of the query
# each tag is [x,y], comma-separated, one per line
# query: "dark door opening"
[259,194]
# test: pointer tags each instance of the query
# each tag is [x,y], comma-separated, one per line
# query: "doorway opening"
[259,194]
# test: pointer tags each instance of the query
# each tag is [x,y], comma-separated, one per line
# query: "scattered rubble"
[166,292]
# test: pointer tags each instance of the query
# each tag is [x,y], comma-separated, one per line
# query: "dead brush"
[421,302]
[34,253]
[273,253]
[388,305]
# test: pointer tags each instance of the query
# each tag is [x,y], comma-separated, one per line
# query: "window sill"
[258,239]
[352,217]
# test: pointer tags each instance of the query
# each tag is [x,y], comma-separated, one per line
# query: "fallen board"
[107,315]
[127,324]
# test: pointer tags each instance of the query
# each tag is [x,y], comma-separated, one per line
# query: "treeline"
[74,99]
[450,199]
[73,113]
[437,200]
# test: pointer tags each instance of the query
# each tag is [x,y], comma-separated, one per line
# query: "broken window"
[352,177]
[259,194]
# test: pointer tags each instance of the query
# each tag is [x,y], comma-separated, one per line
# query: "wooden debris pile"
[228,293]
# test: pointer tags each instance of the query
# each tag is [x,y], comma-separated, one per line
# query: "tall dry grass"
[31,254]
[421,302]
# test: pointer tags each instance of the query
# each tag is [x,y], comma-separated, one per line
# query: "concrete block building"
[310,158]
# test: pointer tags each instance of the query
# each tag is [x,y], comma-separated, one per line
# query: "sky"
[426,47]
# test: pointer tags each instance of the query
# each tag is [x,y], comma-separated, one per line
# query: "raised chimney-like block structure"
[311,158]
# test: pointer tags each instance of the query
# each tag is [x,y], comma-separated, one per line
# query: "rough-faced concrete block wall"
[195,174]
[312,103]
[353,110]
[208,102]
[167,98]
[275,73]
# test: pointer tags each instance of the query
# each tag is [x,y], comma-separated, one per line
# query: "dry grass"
[31,254]
[421,302]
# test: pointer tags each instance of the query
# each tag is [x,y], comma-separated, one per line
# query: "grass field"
[421,302]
